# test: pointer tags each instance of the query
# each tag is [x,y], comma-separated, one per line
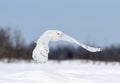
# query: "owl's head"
[54,34]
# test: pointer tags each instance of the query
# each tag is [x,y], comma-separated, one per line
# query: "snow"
[60,72]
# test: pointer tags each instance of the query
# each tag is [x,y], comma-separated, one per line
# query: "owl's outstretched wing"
[70,39]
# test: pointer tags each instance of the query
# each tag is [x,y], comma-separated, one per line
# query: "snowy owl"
[40,52]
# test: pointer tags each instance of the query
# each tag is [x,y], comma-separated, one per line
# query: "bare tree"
[18,39]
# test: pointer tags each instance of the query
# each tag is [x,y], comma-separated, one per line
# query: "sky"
[89,21]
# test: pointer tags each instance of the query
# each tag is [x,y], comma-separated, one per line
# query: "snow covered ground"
[64,72]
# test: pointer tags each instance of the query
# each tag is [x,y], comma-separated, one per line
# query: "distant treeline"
[13,46]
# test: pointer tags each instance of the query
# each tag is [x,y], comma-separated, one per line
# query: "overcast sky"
[89,21]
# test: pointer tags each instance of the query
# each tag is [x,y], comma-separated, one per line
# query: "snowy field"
[64,72]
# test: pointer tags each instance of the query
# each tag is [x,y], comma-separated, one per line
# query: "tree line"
[13,46]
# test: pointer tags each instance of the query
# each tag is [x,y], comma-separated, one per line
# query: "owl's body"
[40,53]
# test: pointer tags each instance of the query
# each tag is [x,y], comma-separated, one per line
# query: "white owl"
[40,52]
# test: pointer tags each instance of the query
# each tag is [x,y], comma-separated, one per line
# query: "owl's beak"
[61,35]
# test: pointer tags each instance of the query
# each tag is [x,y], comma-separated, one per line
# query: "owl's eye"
[58,33]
